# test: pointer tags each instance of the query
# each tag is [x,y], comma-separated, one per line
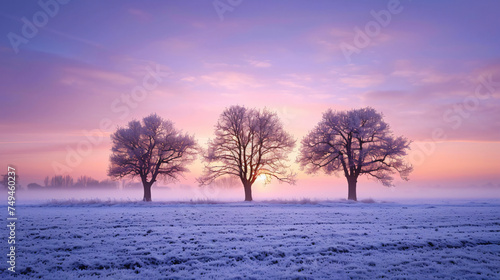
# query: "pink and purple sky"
[432,69]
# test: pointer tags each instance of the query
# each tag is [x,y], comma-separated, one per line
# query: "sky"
[71,73]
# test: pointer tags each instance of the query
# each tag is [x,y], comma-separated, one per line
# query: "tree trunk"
[351,182]
[147,191]
[248,191]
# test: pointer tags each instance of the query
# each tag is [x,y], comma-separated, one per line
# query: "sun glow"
[263,179]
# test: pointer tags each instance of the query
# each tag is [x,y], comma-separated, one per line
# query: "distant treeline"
[67,182]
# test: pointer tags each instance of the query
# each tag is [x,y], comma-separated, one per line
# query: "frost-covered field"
[330,240]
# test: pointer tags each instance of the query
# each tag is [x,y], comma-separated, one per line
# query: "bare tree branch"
[357,142]
[248,143]
[152,150]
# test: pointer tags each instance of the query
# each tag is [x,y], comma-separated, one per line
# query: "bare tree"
[5,180]
[151,150]
[248,143]
[60,181]
[356,142]
[86,181]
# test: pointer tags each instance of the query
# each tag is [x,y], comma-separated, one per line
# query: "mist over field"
[233,193]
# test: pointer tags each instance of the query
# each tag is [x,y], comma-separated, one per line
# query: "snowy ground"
[329,240]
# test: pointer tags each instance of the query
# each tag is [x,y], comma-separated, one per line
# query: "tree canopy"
[356,142]
[151,150]
[248,143]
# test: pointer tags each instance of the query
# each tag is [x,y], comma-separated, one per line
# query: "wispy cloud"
[259,64]
[418,76]
[362,81]
[140,14]
[224,65]
[188,79]
[82,76]
[231,80]
[291,84]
